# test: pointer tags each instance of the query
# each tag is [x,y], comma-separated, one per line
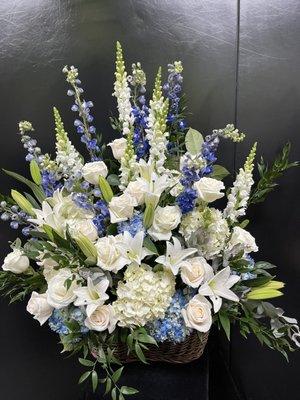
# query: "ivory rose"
[197,314]
[118,147]
[92,170]
[196,270]
[209,189]
[165,220]
[16,262]
[102,318]
[39,307]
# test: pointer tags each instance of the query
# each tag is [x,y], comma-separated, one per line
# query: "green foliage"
[219,172]
[193,141]
[37,191]
[269,175]
[17,286]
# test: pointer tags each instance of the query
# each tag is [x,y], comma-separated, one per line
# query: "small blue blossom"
[171,327]
[187,200]
[133,225]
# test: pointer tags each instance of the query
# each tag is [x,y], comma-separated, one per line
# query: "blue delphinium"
[49,183]
[101,217]
[16,217]
[172,326]
[186,200]
[133,225]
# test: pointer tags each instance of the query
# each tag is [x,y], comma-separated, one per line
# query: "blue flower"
[172,326]
[187,200]
[133,226]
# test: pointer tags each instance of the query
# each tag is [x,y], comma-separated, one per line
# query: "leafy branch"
[269,175]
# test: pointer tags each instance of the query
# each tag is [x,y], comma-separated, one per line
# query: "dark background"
[241,61]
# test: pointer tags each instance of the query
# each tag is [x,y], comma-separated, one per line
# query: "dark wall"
[241,62]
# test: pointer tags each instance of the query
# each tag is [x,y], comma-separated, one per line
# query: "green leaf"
[261,280]
[94,380]
[37,191]
[193,141]
[108,386]
[244,223]
[105,188]
[114,394]
[128,390]
[139,353]
[150,245]
[219,172]
[84,376]
[86,363]
[22,202]
[225,322]
[32,200]
[144,338]
[117,374]
[35,172]
[113,180]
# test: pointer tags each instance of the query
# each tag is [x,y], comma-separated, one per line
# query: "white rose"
[102,318]
[60,295]
[39,307]
[109,256]
[197,314]
[165,220]
[121,208]
[91,171]
[118,147]
[85,227]
[195,271]
[16,262]
[209,189]
[137,190]
[242,239]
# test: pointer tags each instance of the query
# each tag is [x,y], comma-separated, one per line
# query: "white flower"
[84,227]
[16,262]
[118,147]
[131,247]
[109,254]
[209,189]
[218,287]
[39,307]
[165,220]
[102,318]
[137,190]
[121,208]
[197,314]
[59,293]
[206,230]
[175,255]
[93,170]
[195,271]
[241,240]
[48,265]
[92,295]
[144,296]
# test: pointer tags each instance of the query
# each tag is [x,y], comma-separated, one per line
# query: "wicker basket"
[180,353]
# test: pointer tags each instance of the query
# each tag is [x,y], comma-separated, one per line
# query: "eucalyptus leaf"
[193,141]
[219,172]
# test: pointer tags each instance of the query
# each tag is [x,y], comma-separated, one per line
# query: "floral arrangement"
[132,248]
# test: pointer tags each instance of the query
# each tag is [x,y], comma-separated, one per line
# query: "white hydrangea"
[239,195]
[144,296]
[206,230]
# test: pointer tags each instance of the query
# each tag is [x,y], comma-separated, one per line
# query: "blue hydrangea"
[186,200]
[133,225]
[249,275]
[171,327]
[59,320]
[57,323]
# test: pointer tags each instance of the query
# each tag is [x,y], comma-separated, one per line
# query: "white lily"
[92,295]
[131,247]
[218,287]
[46,216]
[175,256]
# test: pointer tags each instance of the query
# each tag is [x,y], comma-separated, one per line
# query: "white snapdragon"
[39,307]
[209,189]
[16,262]
[240,192]
[93,170]
[165,220]
[156,132]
